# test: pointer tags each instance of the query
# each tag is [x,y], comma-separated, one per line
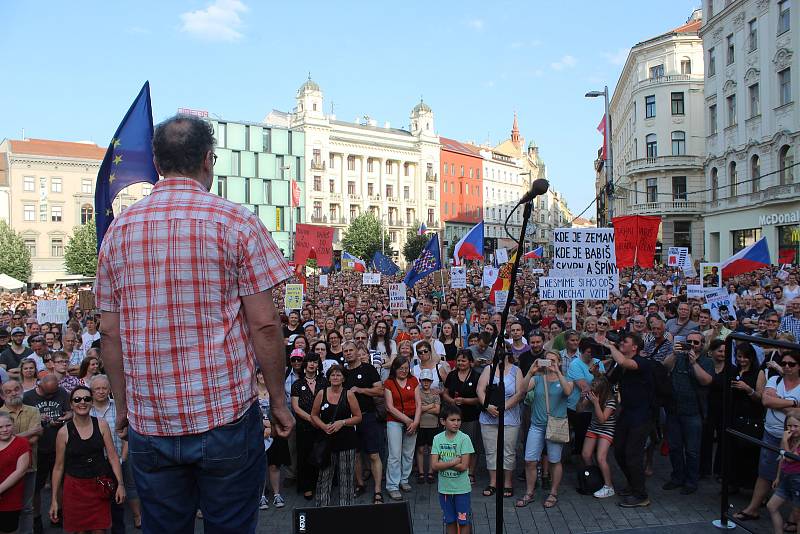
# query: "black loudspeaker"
[390,518]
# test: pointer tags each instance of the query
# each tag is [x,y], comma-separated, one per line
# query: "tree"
[363,237]
[451,248]
[80,254]
[15,261]
[414,244]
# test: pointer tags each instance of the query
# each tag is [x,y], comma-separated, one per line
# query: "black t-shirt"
[50,408]
[526,360]
[363,376]
[11,359]
[467,389]
[289,332]
[637,390]
[337,356]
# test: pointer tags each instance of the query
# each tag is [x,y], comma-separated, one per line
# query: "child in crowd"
[600,435]
[787,483]
[450,456]
[428,424]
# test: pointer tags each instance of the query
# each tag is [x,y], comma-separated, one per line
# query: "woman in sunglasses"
[782,393]
[88,462]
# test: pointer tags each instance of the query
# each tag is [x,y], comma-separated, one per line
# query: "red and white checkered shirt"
[175,266]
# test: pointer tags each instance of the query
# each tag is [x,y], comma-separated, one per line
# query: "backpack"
[590,479]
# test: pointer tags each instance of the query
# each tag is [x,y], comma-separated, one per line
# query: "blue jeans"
[401,455]
[684,434]
[220,471]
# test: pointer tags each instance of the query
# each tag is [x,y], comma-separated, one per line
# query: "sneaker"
[396,495]
[264,503]
[604,492]
[277,501]
[634,502]
[405,487]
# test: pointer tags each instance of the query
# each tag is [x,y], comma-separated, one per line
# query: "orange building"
[461,198]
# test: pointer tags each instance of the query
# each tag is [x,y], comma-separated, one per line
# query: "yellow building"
[46,190]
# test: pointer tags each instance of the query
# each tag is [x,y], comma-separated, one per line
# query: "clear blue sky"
[73,68]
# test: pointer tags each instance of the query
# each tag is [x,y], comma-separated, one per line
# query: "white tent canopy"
[10,283]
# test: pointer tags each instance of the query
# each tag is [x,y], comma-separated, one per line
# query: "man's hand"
[121,425]
[284,422]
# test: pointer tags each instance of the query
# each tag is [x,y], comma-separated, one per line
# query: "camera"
[614,336]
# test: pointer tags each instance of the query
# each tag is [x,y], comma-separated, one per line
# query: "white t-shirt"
[789,294]
[88,339]
[437,383]
[773,422]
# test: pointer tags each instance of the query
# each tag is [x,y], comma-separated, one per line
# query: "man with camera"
[691,372]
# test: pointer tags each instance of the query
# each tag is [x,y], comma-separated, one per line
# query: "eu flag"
[384,265]
[430,260]
[128,160]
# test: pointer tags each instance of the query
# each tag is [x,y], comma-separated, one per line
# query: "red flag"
[602,129]
[295,194]
[635,238]
[300,273]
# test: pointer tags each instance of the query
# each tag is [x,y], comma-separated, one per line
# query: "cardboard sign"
[489,276]
[711,274]
[86,300]
[371,279]
[500,299]
[718,301]
[397,297]
[689,269]
[458,277]
[318,237]
[584,265]
[501,255]
[676,257]
[323,280]
[52,311]
[293,300]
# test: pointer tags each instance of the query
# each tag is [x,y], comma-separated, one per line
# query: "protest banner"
[582,288]
[489,276]
[695,291]
[635,240]
[397,297]
[52,311]
[710,275]
[318,237]
[676,256]
[584,265]
[501,255]
[86,300]
[371,279]
[323,280]
[782,275]
[688,268]
[537,271]
[458,277]
[500,299]
[719,303]
[293,299]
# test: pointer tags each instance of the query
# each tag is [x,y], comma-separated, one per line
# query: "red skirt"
[86,505]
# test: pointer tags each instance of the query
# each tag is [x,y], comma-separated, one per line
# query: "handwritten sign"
[695,291]
[371,279]
[397,297]
[635,239]
[719,302]
[323,280]
[52,311]
[500,299]
[293,300]
[458,277]
[501,255]
[676,256]
[489,276]
[320,238]
[582,288]
[584,265]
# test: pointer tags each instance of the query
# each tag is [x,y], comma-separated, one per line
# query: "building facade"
[256,165]
[354,167]
[751,104]
[48,190]
[657,118]
[461,193]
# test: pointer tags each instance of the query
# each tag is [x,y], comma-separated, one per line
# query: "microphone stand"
[499,362]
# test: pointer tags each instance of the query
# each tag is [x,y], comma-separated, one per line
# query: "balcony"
[766,196]
[663,163]
[676,207]
[431,177]
[317,165]
[393,200]
[353,197]
[316,219]
[335,196]
[375,198]
[672,78]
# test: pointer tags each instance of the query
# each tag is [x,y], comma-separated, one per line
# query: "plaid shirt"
[175,266]
[790,324]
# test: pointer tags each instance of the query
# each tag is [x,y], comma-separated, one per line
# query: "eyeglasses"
[78,400]
[422,351]
[214,158]
[603,324]
[788,363]
[295,359]
[694,342]
[58,362]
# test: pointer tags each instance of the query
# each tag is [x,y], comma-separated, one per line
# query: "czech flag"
[756,256]
[470,247]
[535,254]
[355,264]
[422,228]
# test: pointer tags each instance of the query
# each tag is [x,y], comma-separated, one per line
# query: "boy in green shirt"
[450,455]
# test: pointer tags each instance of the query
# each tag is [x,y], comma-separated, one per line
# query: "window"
[221,134]
[87,213]
[731,50]
[409,216]
[56,247]
[712,62]
[733,179]
[712,119]
[783,15]
[752,35]
[452,169]
[744,238]
[678,188]
[755,173]
[222,186]
[43,212]
[317,213]
[235,163]
[316,158]
[351,163]
[731,103]
[86,186]
[30,244]
[686,66]
[462,171]
[405,169]
[657,71]
[785,86]
[353,211]
[55,185]
[752,92]
[55,214]
[370,189]
[318,183]
[678,143]
[652,146]
[389,191]
[370,165]
[682,234]
[786,165]
[430,216]
[388,167]
[652,190]
[471,172]
[677,103]
[29,213]
[147,189]
[278,219]
[351,188]
[649,106]
[714,183]
[331,185]
[29,184]
[406,193]
[431,195]
[265,138]
[331,161]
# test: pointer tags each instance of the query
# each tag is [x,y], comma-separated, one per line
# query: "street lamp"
[286,169]
[609,188]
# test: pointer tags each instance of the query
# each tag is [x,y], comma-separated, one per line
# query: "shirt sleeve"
[466,445]
[260,262]
[106,296]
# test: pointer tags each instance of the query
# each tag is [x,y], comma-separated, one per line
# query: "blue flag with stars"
[128,160]
[383,264]
[430,260]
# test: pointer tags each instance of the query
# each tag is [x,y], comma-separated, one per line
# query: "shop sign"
[779,218]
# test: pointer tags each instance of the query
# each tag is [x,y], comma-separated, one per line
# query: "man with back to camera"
[190,276]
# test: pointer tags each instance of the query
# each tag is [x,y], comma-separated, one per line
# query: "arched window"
[714,184]
[733,179]
[755,173]
[786,164]
[678,143]
[87,213]
[652,146]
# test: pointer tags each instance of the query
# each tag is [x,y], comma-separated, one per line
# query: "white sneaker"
[277,501]
[264,503]
[604,492]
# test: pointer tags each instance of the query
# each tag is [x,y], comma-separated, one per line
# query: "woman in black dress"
[451,343]
[303,392]
[747,416]
[461,389]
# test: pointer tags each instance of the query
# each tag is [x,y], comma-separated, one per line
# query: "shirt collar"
[178,183]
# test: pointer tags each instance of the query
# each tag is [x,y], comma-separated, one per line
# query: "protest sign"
[293,300]
[501,255]
[710,275]
[86,300]
[635,240]
[537,271]
[584,265]
[320,238]
[500,299]
[688,268]
[676,256]
[695,291]
[582,288]
[371,279]
[323,280]
[52,311]
[718,301]
[458,277]
[489,276]
[782,275]
[397,297]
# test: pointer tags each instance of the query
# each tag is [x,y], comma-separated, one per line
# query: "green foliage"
[363,237]
[311,264]
[15,261]
[414,244]
[80,254]
[451,248]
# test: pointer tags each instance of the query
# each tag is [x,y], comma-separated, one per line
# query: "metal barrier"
[725,522]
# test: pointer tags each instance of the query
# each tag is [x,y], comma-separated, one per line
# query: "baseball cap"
[17,330]
[4,332]
[297,354]
[426,374]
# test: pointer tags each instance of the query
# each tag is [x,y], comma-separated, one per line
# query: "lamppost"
[286,169]
[609,161]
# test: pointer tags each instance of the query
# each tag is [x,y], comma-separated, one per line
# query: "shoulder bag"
[557,427]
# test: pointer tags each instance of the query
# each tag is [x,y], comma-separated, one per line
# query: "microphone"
[538,187]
